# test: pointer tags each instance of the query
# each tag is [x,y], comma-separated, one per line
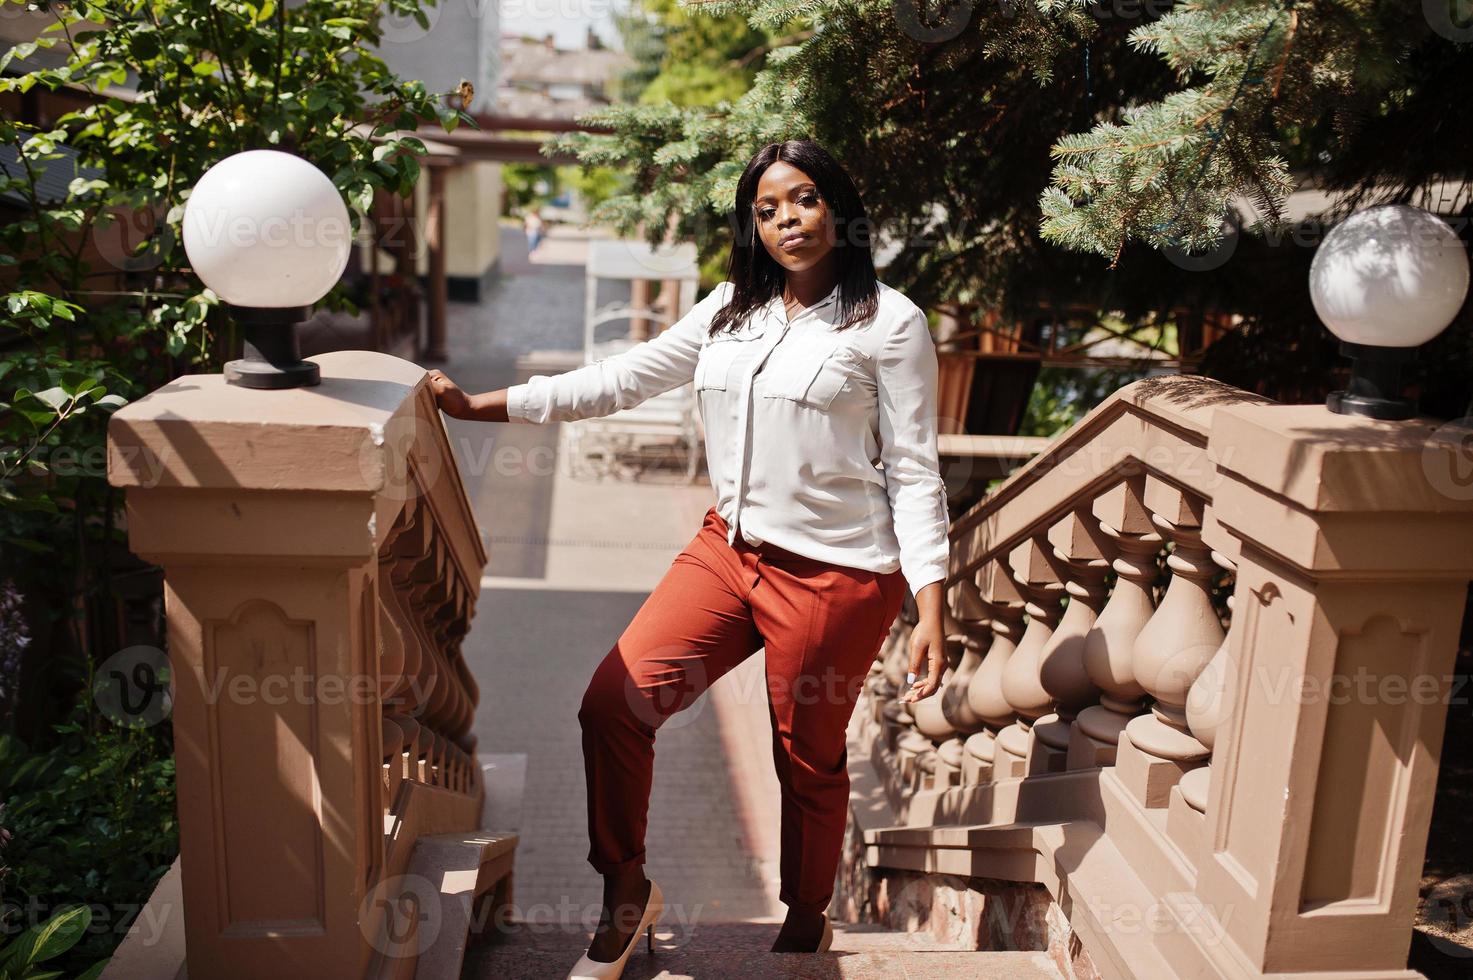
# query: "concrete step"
[739,951]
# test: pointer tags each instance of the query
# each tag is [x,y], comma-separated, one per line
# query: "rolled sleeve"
[622,380]
[906,378]
[516,404]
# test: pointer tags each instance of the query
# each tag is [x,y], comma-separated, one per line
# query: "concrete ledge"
[462,869]
[153,949]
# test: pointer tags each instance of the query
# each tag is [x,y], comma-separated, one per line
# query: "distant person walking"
[532,224]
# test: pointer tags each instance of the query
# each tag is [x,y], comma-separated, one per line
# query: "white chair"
[668,419]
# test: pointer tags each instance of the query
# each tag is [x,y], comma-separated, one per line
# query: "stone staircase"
[738,951]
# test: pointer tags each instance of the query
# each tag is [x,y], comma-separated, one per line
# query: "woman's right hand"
[448,395]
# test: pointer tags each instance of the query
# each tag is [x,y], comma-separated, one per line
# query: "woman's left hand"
[927,646]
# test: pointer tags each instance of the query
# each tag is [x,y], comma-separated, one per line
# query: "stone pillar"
[639,297]
[1354,560]
[267,511]
[435,245]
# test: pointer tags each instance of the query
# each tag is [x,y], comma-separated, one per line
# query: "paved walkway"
[733,951]
[570,563]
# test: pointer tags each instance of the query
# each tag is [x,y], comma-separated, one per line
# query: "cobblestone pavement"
[570,563]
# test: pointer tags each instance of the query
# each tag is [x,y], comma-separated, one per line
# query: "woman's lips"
[793,243]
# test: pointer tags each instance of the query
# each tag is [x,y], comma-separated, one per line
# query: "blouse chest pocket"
[713,366]
[812,371]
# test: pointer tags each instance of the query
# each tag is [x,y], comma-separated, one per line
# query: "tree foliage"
[1035,153]
[689,57]
[102,306]
[98,306]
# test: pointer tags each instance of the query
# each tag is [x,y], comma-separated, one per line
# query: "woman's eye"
[808,200]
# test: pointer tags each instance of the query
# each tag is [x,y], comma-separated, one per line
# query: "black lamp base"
[1389,409]
[1375,383]
[272,358]
[249,373]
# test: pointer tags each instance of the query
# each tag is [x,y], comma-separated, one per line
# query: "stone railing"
[321,567]
[1201,651]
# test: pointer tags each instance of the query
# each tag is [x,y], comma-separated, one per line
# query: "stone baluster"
[931,723]
[897,657]
[1210,704]
[896,715]
[984,693]
[393,738]
[426,591]
[1169,654]
[970,627]
[1109,647]
[972,634]
[451,623]
[1082,554]
[1041,582]
[410,695]
[414,770]
[896,663]
[881,686]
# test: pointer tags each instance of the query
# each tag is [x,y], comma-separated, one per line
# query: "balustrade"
[1160,632]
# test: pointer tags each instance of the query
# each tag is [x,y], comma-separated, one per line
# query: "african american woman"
[816,385]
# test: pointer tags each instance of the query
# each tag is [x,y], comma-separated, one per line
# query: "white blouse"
[819,441]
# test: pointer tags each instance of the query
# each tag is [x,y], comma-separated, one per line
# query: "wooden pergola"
[457,148]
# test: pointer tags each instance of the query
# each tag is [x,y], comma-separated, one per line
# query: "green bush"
[91,319]
[21,959]
[92,823]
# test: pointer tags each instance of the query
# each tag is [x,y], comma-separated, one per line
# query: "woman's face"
[788,208]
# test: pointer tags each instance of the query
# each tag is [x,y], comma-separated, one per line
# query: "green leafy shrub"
[92,823]
[22,959]
[98,307]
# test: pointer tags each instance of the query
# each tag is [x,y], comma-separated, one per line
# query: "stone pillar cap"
[199,432]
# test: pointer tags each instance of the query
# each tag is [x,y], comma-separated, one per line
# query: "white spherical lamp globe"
[1389,276]
[267,229]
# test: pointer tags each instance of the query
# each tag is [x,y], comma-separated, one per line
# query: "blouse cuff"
[516,403]
[921,577]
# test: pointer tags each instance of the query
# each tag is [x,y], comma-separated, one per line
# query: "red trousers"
[820,625]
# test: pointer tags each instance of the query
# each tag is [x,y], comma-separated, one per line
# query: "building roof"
[538,105]
[52,176]
[535,63]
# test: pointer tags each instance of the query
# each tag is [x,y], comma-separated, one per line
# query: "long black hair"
[757,277]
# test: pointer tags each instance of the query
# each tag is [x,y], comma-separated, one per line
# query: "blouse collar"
[830,300]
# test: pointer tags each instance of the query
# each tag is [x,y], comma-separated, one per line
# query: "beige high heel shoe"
[828,935]
[590,969]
